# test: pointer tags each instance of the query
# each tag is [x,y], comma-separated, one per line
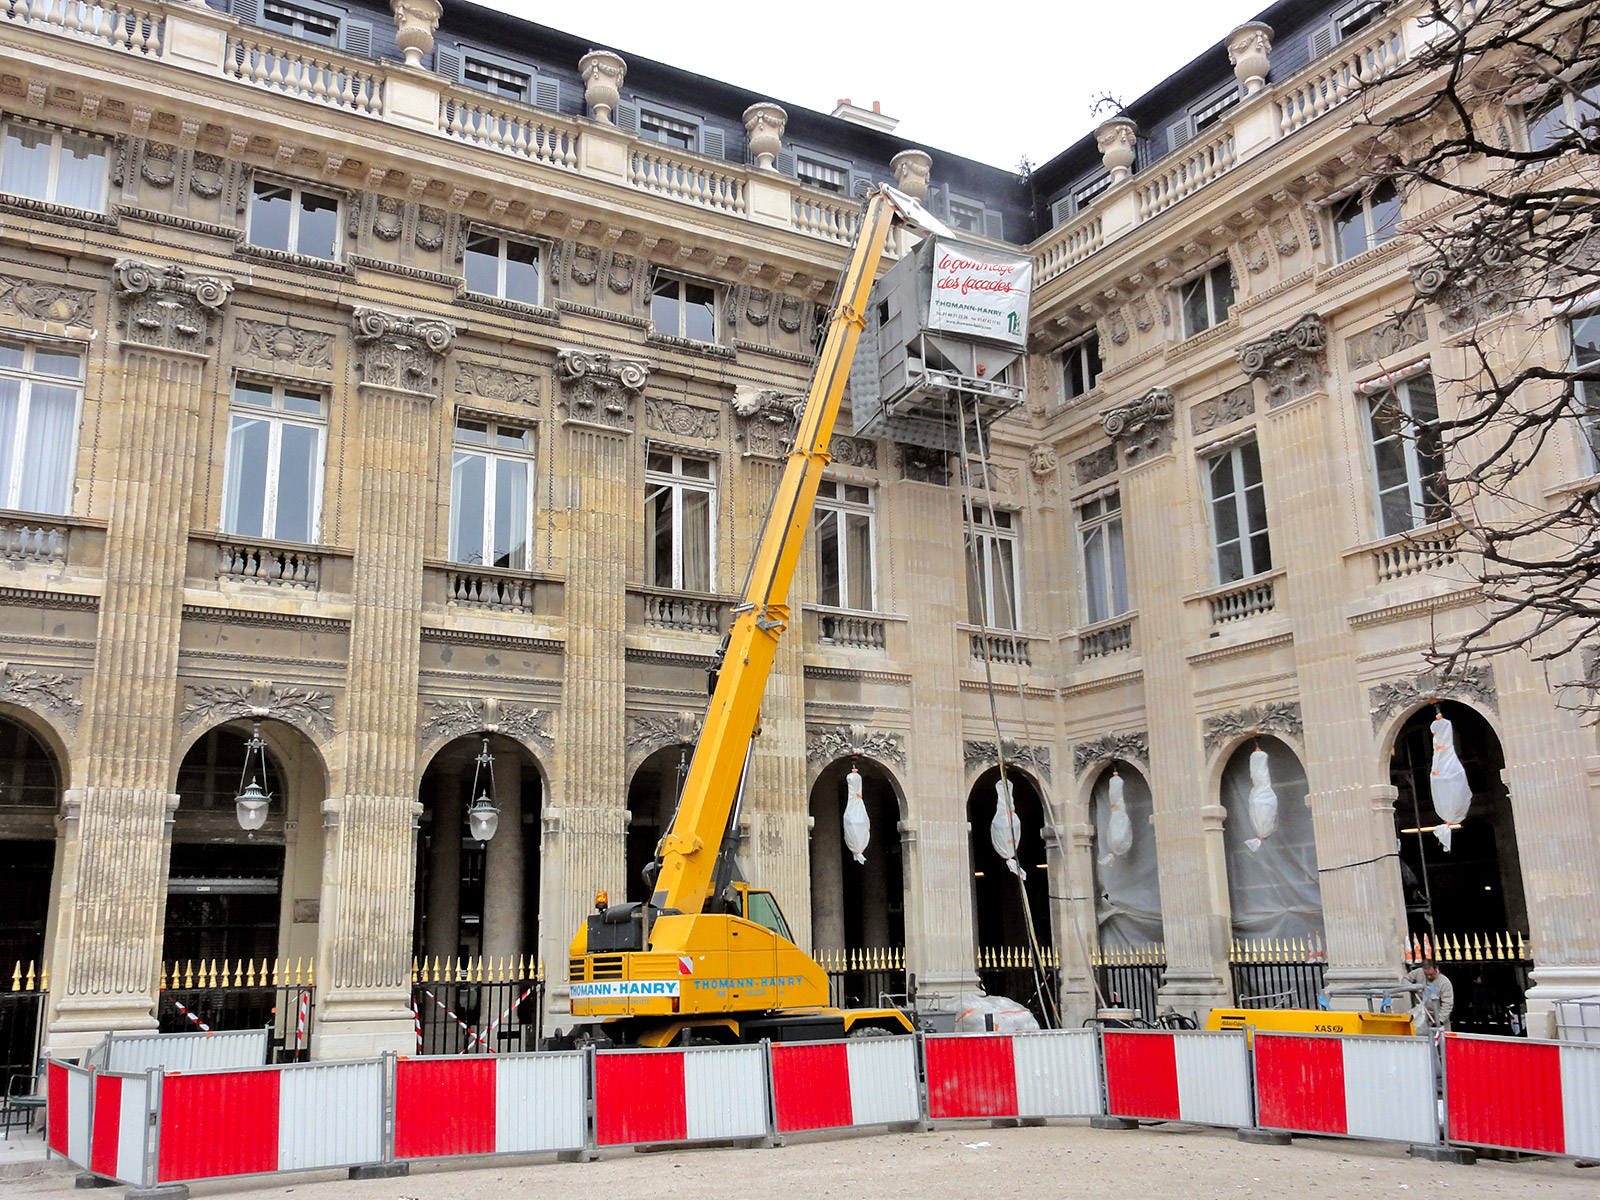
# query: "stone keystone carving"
[603,73]
[415,22]
[1117,140]
[1292,361]
[765,123]
[1473,683]
[1130,747]
[912,169]
[648,734]
[1275,716]
[400,352]
[450,719]
[1250,50]
[598,387]
[980,754]
[43,692]
[260,699]
[829,743]
[1144,427]
[166,308]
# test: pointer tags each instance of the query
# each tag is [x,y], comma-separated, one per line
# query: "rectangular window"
[1366,220]
[1207,299]
[1238,513]
[684,308]
[964,215]
[1586,356]
[845,577]
[491,494]
[273,481]
[1080,366]
[822,175]
[498,81]
[992,569]
[658,127]
[296,220]
[56,167]
[40,387]
[503,267]
[1105,572]
[1408,459]
[301,22]
[1564,114]
[680,505]
[1209,112]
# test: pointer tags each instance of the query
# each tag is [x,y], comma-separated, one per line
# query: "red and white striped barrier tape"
[204,1028]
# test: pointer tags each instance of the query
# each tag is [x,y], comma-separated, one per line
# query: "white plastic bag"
[1009,1016]
[857,825]
[1006,828]
[1119,830]
[1452,794]
[1263,800]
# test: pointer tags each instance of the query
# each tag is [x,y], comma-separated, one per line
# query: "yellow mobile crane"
[708,957]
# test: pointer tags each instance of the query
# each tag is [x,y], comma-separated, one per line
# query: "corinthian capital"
[166,308]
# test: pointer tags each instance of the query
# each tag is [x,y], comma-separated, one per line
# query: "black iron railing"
[865,978]
[1278,972]
[1130,977]
[478,1006]
[242,995]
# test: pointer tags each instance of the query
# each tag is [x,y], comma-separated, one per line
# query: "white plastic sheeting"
[1058,1073]
[857,825]
[1447,780]
[1005,831]
[1263,801]
[1127,903]
[1119,829]
[973,1013]
[1275,891]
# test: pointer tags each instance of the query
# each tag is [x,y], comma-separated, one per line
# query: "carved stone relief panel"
[1225,409]
[1097,464]
[829,743]
[1474,683]
[447,720]
[46,301]
[46,692]
[682,420]
[489,382]
[283,343]
[1275,716]
[649,733]
[922,465]
[976,755]
[847,451]
[308,709]
[1369,349]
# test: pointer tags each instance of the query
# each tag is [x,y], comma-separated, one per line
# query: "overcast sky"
[995,83]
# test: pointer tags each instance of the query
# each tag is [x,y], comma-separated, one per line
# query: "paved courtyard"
[997,1164]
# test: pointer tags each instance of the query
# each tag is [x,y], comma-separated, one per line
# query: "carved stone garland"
[450,719]
[980,754]
[647,734]
[1292,362]
[1274,717]
[49,693]
[212,704]
[829,743]
[1474,683]
[1130,747]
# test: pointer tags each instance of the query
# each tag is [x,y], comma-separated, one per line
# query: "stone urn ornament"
[1250,50]
[765,123]
[603,73]
[1117,140]
[414,25]
[912,169]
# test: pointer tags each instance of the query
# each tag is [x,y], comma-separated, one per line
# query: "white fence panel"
[539,1102]
[883,1080]
[725,1092]
[330,1115]
[1213,1077]
[1058,1073]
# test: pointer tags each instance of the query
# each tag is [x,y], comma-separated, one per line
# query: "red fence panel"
[1141,1076]
[971,1075]
[811,1086]
[1300,1083]
[1504,1092]
[218,1124]
[639,1097]
[444,1106]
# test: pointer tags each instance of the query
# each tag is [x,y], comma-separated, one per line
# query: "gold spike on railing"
[44,977]
[16,975]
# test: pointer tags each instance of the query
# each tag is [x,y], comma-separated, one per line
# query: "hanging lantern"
[857,825]
[1263,800]
[1006,828]
[1119,829]
[483,817]
[1452,794]
[251,804]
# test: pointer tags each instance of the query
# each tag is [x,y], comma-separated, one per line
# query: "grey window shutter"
[547,94]
[785,163]
[938,203]
[1322,40]
[1061,210]
[246,10]
[994,225]
[356,36]
[447,62]
[710,142]
[1178,133]
[627,117]
[860,184]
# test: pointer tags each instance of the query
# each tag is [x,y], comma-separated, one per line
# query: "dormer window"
[302,22]
[513,85]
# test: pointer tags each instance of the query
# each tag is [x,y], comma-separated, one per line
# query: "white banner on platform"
[980,293]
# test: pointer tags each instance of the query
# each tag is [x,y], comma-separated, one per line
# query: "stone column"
[118,824]
[504,866]
[443,914]
[1072,912]
[1362,906]
[1194,881]
[827,873]
[369,870]
[602,517]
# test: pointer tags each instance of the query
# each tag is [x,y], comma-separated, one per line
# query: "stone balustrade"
[1105,639]
[1010,648]
[1069,244]
[821,215]
[1248,599]
[137,28]
[497,591]
[849,630]
[1414,556]
[265,562]
[527,133]
[1329,82]
[306,72]
[1185,172]
[25,540]
[678,612]
[687,178]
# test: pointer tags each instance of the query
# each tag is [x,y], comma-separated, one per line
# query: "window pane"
[1230,563]
[522,272]
[474,432]
[511,514]
[252,393]
[10,406]
[1119,571]
[270,209]
[302,402]
[664,308]
[1195,314]
[11,354]
[319,225]
[1225,512]
[1222,476]
[1421,400]
[1094,575]
[1255,508]
[1076,384]
[700,313]
[25,164]
[696,468]
[857,495]
[297,483]
[1250,464]
[482,265]
[1005,580]
[1221,293]
[81,178]
[1350,228]
[47,467]
[1586,339]
[658,526]
[1385,205]
[1389,457]
[244,511]
[656,461]
[1395,507]
[467,484]
[696,541]
[977,584]
[512,439]
[1260,553]
[858,549]
[828,557]
[1546,128]
[50,362]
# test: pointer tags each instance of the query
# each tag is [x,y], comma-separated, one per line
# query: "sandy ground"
[1064,1160]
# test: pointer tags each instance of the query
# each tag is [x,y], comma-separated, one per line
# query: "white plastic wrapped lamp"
[857,825]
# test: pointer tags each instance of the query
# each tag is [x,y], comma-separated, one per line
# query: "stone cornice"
[264,617]
[48,599]
[475,637]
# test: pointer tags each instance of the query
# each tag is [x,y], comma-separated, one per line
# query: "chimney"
[871,118]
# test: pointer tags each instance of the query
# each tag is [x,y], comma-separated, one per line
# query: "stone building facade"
[411,393]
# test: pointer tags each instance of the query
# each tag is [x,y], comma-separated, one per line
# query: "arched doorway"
[30,794]
[858,913]
[1274,891]
[243,907]
[652,800]
[1475,889]
[1003,945]
[1130,957]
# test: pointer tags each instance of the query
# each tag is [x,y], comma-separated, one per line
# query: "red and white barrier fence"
[1364,1087]
[505,1104]
[1051,1074]
[300,1117]
[1158,1075]
[120,1127]
[69,1107]
[1516,1094]
[838,1085]
[696,1095]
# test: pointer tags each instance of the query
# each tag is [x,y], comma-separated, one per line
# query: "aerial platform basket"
[949,317]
